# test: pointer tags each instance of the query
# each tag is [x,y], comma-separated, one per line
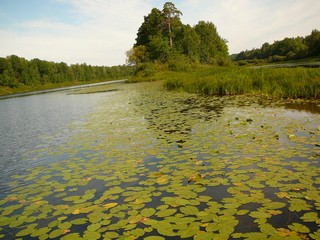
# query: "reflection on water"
[36,122]
[310,107]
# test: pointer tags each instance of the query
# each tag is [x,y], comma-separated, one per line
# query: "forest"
[165,44]
[162,37]
[16,71]
[283,50]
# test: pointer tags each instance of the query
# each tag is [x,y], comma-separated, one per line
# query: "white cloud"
[107,28]
[108,32]
[250,23]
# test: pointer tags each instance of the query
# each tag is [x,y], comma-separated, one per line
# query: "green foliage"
[147,72]
[212,47]
[163,36]
[16,71]
[286,49]
[281,83]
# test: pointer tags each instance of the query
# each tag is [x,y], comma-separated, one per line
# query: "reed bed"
[274,82]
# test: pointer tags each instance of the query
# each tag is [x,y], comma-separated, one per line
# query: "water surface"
[142,162]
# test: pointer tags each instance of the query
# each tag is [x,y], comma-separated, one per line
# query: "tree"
[137,55]
[150,27]
[158,48]
[188,43]
[212,46]
[313,43]
[170,11]
[285,49]
[162,36]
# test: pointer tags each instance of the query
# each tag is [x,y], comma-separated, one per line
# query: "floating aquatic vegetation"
[150,164]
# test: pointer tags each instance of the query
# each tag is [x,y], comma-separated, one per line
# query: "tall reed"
[275,82]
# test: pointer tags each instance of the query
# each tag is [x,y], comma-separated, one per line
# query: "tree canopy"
[15,71]
[285,49]
[162,35]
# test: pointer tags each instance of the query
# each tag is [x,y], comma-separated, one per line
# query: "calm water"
[143,162]
[38,121]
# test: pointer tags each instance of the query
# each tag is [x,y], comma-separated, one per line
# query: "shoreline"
[23,94]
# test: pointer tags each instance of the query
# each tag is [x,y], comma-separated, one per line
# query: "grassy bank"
[273,82]
[21,88]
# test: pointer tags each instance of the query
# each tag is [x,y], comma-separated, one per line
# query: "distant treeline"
[16,71]
[286,49]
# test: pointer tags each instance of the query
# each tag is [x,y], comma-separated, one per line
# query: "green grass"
[280,83]
[21,88]
[273,82]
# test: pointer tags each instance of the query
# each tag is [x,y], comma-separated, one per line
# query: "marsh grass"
[273,82]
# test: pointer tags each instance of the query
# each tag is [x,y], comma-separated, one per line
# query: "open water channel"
[134,161]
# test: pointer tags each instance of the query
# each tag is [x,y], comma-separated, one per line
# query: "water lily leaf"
[191,231]
[71,198]
[204,236]
[93,227]
[88,196]
[79,221]
[189,210]
[111,235]
[255,235]
[165,212]
[71,236]
[275,205]
[242,212]
[166,229]
[310,217]
[65,225]
[298,205]
[110,205]
[283,195]
[25,232]
[148,212]
[154,238]
[297,227]
[135,219]
[260,214]
[138,232]
[267,229]
[56,233]
[315,235]
[91,235]
[40,232]
[283,232]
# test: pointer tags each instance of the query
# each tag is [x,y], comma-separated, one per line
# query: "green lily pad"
[166,229]
[166,212]
[275,205]
[148,212]
[40,231]
[65,225]
[93,227]
[91,235]
[189,210]
[25,232]
[310,217]
[56,233]
[297,227]
[154,238]
[71,236]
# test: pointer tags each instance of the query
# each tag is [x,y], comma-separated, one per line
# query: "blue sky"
[99,32]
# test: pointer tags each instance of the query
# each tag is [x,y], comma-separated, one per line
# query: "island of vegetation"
[189,58]
[196,59]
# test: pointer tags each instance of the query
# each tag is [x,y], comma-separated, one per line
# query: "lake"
[134,161]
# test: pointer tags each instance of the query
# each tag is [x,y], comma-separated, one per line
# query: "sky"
[99,32]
